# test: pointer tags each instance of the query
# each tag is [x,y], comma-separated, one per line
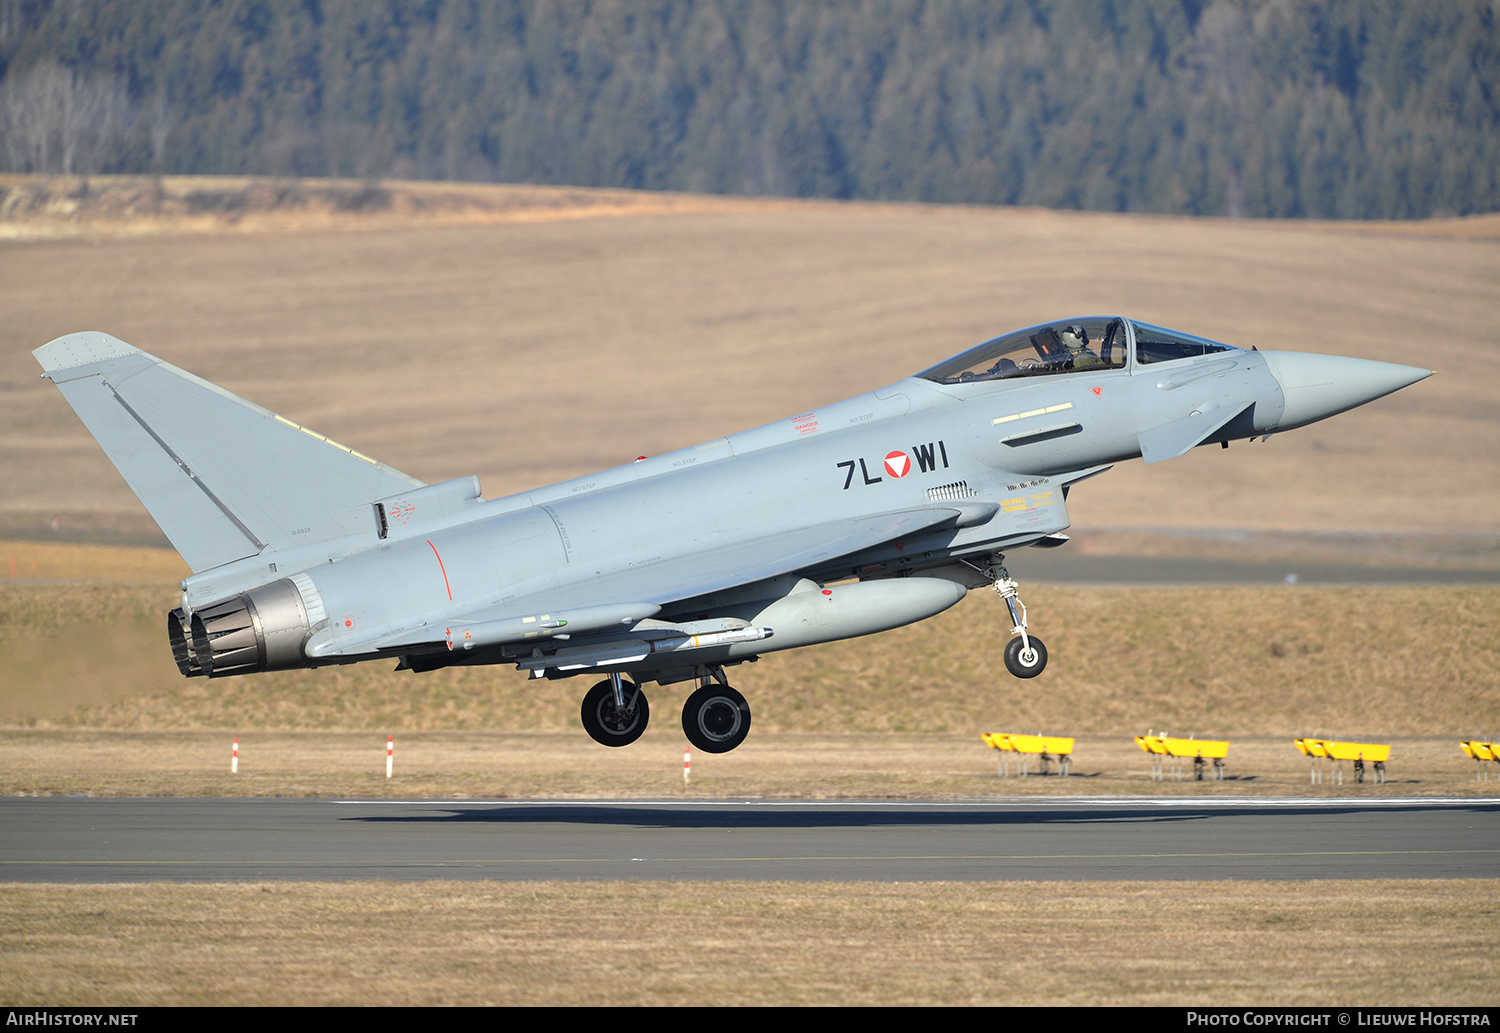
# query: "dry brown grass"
[717,943]
[529,351]
[1212,662]
[94,704]
[34,208]
[76,561]
[528,335]
[566,765]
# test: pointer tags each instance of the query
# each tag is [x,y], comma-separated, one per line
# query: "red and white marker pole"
[234,760]
[687,765]
[390,754]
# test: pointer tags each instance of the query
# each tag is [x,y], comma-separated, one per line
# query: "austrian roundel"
[898,464]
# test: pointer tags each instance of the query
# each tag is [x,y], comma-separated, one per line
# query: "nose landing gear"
[1025,656]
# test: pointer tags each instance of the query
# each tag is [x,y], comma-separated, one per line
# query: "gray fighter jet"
[854,518]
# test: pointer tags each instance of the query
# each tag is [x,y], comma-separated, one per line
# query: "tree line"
[1269,108]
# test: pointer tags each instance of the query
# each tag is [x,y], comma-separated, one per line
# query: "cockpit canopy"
[1093,343]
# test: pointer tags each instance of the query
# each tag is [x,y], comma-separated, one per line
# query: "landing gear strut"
[1026,656]
[715,718]
[615,712]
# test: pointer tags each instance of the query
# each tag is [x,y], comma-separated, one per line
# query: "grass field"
[1205,661]
[90,701]
[531,334]
[780,765]
[634,943]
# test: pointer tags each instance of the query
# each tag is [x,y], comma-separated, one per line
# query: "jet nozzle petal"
[1318,386]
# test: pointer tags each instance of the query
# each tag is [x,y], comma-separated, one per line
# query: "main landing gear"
[715,718]
[615,712]
[1025,656]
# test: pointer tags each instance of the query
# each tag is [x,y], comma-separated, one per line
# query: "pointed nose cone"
[1318,386]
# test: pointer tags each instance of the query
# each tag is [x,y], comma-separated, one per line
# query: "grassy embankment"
[645,943]
[897,713]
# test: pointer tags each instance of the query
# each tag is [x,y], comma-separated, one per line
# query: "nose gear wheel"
[1025,659]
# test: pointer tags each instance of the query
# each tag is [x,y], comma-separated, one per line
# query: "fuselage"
[991,452]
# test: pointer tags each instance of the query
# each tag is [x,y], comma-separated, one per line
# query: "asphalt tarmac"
[85,839]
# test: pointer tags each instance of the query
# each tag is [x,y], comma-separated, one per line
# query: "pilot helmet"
[1074,337]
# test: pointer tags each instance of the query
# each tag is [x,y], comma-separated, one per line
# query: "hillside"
[1362,109]
[528,334]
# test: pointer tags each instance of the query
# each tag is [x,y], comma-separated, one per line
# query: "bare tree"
[161,120]
[54,119]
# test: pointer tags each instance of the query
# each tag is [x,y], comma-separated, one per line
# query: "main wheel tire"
[1024,663]
[716,719]
[606,723]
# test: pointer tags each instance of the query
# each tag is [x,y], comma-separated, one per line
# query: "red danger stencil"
[898,464]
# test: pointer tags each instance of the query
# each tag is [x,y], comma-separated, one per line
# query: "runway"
[60,839]
[1061,568]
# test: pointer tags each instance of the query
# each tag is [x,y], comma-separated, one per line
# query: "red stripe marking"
[442,568]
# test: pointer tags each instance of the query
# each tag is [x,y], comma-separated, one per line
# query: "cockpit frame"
[1093,344]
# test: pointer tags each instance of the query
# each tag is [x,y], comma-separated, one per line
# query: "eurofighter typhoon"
[858,517]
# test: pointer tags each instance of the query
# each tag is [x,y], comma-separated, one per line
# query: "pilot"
[1076,339]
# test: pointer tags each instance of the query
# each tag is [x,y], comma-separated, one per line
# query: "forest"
[1361,109]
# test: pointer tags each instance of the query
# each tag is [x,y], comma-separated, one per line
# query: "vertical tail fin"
[222,477]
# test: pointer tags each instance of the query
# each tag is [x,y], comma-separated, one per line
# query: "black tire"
[1023,665]
[606,723]
[716,719]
